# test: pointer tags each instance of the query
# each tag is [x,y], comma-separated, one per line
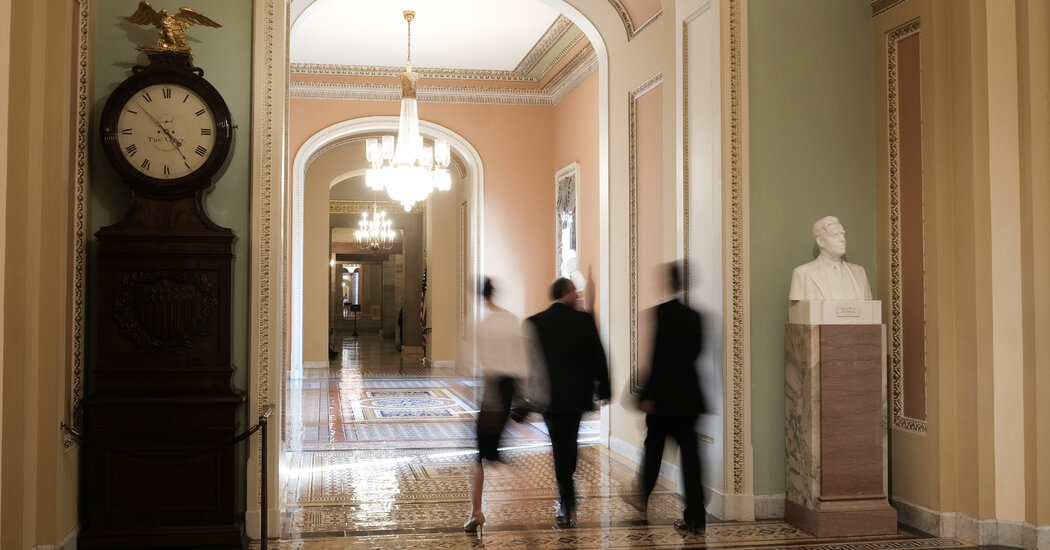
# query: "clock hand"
[170,137]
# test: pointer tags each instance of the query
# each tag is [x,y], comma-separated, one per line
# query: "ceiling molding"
[566,80]
[559,28]
[393,72]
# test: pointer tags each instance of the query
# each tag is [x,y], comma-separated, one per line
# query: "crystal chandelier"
[374,233]
[409,170]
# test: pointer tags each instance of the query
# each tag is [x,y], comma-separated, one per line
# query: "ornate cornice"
[358,206]
[570,76]
[632,193]
[896,269]
[628,24]
[565,51]
[521,73]
[393,72]
[550,37]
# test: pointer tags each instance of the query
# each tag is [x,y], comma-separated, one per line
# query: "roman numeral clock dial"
[166,131]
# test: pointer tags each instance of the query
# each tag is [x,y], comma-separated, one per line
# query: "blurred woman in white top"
[501,353]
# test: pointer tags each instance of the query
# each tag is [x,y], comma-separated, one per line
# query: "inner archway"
[316,145]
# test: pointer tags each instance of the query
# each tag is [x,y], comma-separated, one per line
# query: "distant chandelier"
[411,170]
[374,233]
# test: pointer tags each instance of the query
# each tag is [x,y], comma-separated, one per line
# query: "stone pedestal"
[835,382]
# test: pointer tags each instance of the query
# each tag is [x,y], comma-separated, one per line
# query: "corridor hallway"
[381,448]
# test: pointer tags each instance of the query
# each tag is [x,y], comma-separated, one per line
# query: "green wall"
[812,155]
[225,54]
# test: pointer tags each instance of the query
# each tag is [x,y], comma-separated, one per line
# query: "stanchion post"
[264,511]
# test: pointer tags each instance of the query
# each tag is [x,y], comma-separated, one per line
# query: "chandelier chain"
[408,17]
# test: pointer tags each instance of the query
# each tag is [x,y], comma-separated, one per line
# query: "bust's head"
[830,237]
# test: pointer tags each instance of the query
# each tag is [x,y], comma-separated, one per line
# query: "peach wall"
[514,143]
[576,140]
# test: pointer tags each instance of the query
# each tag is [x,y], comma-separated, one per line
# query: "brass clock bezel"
[158,187]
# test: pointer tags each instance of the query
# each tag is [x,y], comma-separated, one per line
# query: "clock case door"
[160,400]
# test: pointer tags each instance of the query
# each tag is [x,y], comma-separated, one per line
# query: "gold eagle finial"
[170,26]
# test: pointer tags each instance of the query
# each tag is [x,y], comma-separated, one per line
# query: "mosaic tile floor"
[383,452]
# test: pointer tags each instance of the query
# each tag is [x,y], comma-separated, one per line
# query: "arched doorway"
[273,211]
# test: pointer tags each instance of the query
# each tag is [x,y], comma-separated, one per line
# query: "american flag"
[423,307]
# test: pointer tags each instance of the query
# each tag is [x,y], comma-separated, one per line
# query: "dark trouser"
[683,430]
[564,429]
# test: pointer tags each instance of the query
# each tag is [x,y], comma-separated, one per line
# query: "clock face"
[166,131]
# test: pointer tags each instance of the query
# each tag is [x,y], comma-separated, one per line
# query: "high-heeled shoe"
[476,524]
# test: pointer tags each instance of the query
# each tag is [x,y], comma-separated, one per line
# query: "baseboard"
[69,543]
[253,523]
[316,364]
[444,364]
[769,506]
[986,531]
[668,471]
[625,449]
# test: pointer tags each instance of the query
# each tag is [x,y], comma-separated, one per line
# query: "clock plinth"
[160,406]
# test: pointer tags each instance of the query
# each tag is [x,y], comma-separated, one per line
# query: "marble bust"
[829,277]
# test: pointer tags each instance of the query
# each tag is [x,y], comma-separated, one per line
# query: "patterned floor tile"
[371,467]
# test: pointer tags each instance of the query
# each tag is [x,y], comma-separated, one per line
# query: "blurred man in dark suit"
[672,401]
[572,351]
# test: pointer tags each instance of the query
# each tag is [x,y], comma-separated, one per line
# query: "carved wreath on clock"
[165,311]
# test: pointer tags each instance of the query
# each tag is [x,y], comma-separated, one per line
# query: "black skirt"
[495,410]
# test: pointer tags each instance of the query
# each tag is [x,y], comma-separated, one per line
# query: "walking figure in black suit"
[672,401]
[570,348]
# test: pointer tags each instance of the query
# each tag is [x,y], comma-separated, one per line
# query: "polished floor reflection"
[381,449]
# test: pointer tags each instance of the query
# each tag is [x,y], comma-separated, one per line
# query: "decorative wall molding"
[565,81]
[896,237]
[632,220]
[79,226]
[268,283]
[739,351]
[628,24]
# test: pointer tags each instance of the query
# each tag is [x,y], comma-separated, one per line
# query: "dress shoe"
[688,526]
[476,524]
[563,515]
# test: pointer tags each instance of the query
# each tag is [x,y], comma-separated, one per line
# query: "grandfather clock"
[160,408]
